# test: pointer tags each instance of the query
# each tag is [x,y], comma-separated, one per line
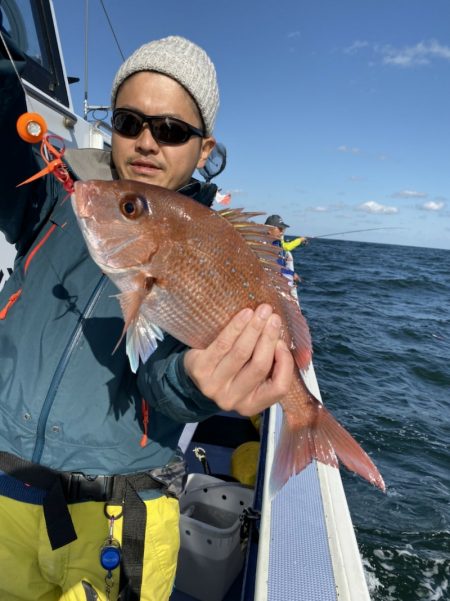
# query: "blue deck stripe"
[300,567]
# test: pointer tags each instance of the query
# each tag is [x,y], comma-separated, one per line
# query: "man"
[66,402]
[286,260]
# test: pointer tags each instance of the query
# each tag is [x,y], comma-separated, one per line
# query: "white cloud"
[375,207]
[409,194]
[423,53]
[294,34]
[353,150]
[333,207]
[357,45]
[411,56]
[356,178]
[432,205]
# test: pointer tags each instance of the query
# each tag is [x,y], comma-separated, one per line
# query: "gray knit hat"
[183,61]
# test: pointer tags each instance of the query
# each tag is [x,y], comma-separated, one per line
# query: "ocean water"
[380,322]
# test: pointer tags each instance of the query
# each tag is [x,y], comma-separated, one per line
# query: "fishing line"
[86,107]
[372,229]
[32,128]
[14,66]
[112,29]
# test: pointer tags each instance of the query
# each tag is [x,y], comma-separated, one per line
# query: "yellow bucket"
[256,421]
[244,463]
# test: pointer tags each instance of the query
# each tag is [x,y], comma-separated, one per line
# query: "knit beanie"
[183,61]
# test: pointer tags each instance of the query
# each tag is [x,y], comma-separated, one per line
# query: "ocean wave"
[432,374]
[403,573]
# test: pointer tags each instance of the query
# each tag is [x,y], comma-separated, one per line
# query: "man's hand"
[296,279]
[247,367]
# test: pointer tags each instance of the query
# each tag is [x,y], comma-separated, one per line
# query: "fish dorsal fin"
[239,215]
[261,241]
[301,344]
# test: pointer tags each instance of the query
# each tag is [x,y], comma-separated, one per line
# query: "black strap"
[59,523]
[133,545]
[89,591]
[64,487]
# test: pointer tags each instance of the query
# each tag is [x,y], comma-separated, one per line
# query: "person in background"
[89,472]
[286,259]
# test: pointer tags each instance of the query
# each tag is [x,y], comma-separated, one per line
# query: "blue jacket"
[66,401]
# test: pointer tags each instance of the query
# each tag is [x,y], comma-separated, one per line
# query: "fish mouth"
[81,201]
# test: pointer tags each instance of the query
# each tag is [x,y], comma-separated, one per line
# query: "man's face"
[144,159]
[276,232]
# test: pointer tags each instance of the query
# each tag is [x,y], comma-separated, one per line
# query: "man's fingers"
[283,371]
[201,365]
[273,388]
[247,367]
[244,346]
[248,382]
[258,368]
[224,342]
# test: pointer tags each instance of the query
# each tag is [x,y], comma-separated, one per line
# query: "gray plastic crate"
[211,553]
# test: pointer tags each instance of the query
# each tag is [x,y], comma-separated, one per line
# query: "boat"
[238,543]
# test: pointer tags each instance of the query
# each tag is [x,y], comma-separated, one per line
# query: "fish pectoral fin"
[324,439]
[130,303]
[142,340]
[141,334]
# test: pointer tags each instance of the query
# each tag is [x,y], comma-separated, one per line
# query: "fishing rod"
[372,229]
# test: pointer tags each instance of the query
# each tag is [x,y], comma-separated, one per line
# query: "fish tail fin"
[323,439]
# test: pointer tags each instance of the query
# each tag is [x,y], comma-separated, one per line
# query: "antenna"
[86,75]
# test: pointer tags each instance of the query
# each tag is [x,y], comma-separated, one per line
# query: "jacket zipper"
[61,368]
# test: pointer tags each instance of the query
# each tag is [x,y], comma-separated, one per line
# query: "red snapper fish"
[185,269]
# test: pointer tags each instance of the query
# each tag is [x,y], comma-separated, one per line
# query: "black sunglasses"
[165,130]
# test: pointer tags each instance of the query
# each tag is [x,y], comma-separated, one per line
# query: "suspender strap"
[57,517]
[172,478]
[133,545]
[64,487]
[58,520]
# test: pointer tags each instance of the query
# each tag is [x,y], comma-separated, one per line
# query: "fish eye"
[132,207]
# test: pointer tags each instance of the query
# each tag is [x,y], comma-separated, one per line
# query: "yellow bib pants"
[31,571]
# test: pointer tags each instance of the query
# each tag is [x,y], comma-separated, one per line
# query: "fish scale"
[187,270]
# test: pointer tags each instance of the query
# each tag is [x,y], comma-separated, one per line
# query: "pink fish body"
[185,269]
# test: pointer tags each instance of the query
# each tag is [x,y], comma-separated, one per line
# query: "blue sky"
[334,112]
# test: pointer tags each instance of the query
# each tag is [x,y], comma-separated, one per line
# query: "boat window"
[29,29]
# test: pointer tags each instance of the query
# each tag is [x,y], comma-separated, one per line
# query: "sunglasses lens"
[169,131]
[165,130]
[127,123]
